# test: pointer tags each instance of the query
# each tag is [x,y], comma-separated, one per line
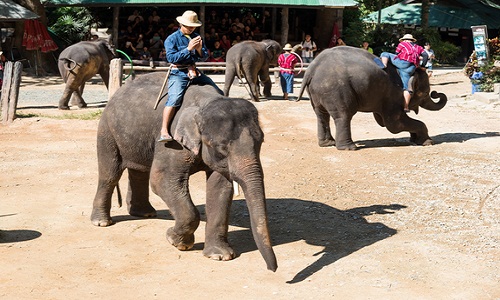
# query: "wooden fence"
[120,67]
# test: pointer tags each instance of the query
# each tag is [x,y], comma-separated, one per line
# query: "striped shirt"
[287,62]
[410,52]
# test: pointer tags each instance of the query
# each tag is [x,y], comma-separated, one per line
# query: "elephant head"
[421,93]
[273,50]
[230,143]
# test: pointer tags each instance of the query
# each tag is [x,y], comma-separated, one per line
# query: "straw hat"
[287,47]
[189,18]
[408,37]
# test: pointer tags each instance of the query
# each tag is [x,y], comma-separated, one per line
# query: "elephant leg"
[325,138]
[110,171]
[105,77]
[266,82]
[418,131]
[138,195]
[64,101]
[219,199]
[229,78]
[77,97]
[253,84]
[343,134]
[175,193]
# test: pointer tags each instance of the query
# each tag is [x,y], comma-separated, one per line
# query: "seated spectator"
[238,24]
[140,42]
[131,18]
[145,54]
[155,45]
[236,41]
[213,19]
[163,55]
[216,53]
[131,35]
[234,33]
[130,49]
[137,25]
[156,18]
[225,43]
[224,26]
[247,33]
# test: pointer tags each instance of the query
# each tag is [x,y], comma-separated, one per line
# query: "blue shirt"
[176,49]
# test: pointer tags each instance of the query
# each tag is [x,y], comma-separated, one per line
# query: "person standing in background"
[308,49]
[430,58]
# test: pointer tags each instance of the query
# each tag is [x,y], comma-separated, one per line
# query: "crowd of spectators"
[142,38]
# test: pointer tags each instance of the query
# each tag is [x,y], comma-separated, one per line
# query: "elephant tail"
[119,194]
[240,71]
[305,83]
[69,64]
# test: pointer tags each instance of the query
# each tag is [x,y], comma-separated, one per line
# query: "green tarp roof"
[317,3]
[462,14]
[11,11]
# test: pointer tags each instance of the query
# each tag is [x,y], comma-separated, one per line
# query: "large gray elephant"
[80,62]
[214,134]
[344,80]
[251,60]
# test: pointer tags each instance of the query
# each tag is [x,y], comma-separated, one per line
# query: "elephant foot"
[143,212]
[428,142]
[181,242]
[349,147]
[219,252]
[83,105]
[326,143]
[63,107]
[101,220]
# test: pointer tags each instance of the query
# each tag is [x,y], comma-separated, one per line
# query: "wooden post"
[10,90]
[7,81]
[115,76]
[14,90]
[284,26]
[116,21]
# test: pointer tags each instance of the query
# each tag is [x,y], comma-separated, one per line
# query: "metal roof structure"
[310,3]
[11,11]
[460,14]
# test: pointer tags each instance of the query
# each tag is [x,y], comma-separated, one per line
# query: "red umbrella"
[37,37]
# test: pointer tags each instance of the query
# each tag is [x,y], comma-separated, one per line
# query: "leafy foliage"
[490,71]
[71,24]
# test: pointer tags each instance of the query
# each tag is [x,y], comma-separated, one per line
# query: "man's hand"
[195,43]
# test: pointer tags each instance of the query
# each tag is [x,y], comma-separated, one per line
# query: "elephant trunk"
[429,104]
[251,180]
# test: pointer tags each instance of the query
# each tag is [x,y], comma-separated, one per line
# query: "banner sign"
[480,38]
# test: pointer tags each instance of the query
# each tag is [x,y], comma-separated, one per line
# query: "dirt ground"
[389,221]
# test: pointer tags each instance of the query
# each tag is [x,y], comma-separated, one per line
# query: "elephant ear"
[187,132]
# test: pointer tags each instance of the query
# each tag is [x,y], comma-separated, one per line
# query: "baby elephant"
[80,62]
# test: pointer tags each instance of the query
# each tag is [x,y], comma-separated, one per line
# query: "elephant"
[251,60]
[212,133]
[344,80]
[80,62]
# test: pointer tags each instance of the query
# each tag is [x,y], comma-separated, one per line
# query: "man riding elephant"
[183,48]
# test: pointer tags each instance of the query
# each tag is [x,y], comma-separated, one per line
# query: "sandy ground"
[389,221]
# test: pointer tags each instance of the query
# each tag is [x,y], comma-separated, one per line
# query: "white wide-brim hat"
[189,18]
[287,47]
[408,37]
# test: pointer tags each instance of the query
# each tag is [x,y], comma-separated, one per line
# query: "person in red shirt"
[287,61]
[406,59]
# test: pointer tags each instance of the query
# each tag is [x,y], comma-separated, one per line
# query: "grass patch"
[95,115]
